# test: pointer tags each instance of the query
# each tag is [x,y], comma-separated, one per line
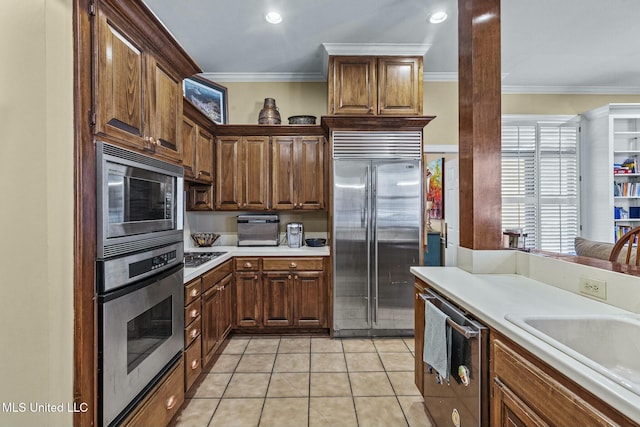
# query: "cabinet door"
[188,142]
[120,71]
[210,311]
[165,96]
[509,411]
[282,187]
[204,156]
[399,85]
[419,337]
[309,172]
[227,175]
[309,299]
[224,320]
[352,85]
[276,299]
[248,299]
[200,197]
[255,172]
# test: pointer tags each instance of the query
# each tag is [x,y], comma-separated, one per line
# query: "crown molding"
[575,90]
[265,77]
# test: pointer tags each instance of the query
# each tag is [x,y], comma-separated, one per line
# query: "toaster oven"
[258,230]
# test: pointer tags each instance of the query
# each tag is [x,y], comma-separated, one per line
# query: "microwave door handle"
[466,331]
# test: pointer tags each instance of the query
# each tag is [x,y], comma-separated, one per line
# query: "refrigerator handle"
[367,217]
[374,239]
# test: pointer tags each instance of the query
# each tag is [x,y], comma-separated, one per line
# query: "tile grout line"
[353,399]
[266,392]
[392,387]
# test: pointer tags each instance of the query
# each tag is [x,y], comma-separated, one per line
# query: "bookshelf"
[610,157]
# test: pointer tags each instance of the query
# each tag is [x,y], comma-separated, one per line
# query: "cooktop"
[194,259]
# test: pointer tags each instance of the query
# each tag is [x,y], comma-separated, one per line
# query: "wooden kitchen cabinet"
[197,146]
[309,299]
[297,180]
[248,299]
[528,392]
[383,85]
[138,84]
[277,299]
[200,197]
[242,172]
[215,306]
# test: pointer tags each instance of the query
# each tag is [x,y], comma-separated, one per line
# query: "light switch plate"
[593,287]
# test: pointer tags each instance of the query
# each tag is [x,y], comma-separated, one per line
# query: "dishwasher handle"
[466,331]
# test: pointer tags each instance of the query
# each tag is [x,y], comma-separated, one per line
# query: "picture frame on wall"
[208,97]
[435,189]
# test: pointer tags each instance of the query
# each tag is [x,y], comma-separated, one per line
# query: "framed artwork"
[434,176]
[208,97]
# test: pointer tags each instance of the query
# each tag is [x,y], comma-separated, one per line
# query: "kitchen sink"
[609,344]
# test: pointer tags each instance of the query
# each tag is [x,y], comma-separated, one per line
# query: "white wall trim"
[572,90]
[440,148]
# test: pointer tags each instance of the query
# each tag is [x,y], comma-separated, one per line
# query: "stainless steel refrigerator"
[376,239]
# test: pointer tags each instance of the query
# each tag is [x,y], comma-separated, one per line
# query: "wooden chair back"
[627,245]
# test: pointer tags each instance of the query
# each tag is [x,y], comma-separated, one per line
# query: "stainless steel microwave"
[139,201]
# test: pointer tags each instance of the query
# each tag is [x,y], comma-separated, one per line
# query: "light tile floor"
[309,382]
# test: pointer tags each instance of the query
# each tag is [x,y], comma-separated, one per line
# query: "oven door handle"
[466,331]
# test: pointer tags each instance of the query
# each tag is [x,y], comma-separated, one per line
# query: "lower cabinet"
[281,292]
[526,392]
[162,403]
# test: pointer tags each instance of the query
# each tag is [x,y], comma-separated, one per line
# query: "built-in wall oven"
[139,277]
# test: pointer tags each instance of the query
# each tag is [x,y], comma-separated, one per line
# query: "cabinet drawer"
[192,312]
[163,402]
[247,264]
[192,363]
[292,264]
[192,332]
[192,290]
[212,277]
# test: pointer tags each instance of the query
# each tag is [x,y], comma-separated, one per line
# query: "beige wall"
[36,219]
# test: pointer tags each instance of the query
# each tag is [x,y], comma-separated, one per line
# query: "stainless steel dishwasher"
[464,400]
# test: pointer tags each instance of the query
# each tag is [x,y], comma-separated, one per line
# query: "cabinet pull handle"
[289,277]
[171,402]
[293,265]
[245,204]
[193,293]
[296,277]
[194,364]
[194,313]
[239,204]
[247,265]
[194,333]
[255,277]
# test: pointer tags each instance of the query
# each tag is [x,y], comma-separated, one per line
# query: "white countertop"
[231,251]
[489,297]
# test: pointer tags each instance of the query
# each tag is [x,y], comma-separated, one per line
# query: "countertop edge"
[489,297]
[233,251]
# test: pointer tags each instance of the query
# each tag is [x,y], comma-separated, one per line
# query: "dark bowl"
[302,120]
[315,243]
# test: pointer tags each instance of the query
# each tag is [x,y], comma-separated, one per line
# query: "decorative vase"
[269,115]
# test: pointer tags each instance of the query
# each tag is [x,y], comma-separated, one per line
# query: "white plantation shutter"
[540,183]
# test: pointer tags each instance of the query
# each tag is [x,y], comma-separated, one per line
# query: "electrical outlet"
[593,287]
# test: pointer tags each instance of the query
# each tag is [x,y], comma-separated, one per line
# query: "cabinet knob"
[245,204]
[194,364]
[255,277]
[194,313]
[193,333]
[171,402]
[247,265]
[193,293]
[296,277]
[289,277]
[293,265]
[239,204]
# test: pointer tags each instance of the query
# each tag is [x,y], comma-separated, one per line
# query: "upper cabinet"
[242,179]
[382,85]
[138,80]
[197,145]
[298,172]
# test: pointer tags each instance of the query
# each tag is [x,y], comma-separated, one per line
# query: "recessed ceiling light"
[438,17]
[273,18]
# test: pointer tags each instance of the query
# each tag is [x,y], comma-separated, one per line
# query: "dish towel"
[437,336]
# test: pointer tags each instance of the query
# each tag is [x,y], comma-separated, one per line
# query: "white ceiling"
[555,46]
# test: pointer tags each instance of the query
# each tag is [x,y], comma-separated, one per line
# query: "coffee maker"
[295,234]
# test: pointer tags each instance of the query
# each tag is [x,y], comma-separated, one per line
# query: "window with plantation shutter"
[540,183]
